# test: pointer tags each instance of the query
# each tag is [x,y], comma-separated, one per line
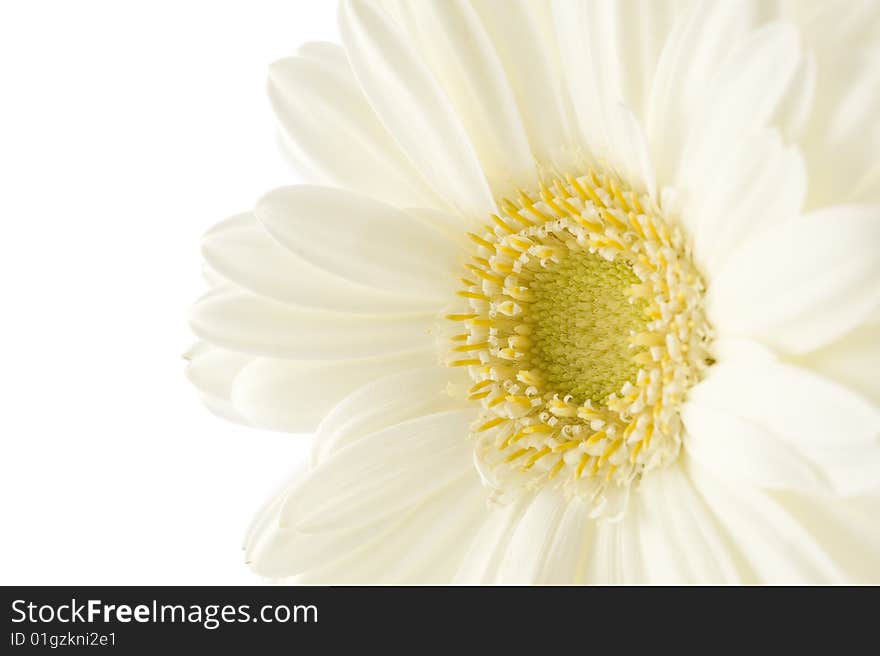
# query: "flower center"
[580,322]
[582,328]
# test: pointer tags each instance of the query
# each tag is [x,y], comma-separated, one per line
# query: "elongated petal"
[771,546]
[852,360]
[213,371]
[609,52]
[761,184]
[678,536]
[744,451]
[575,547]
[829,24]
[702,40]
[463,59]
[243,252]
[781,426]
[804,283]
[360,239]
[481,560]
[330,128]
[846,529]
[294,396]
[521,33]
[413,106]
[386,401]
[790,401]
[383,495]
[745,95]
[423,548]
[241,321]
[615,555]
[530,544]
[383,473]
[842,137]
[667,535]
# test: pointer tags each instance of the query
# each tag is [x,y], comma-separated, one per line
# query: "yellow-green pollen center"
[582,319]
[581,324]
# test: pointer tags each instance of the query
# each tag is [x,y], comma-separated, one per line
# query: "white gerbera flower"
[590,293]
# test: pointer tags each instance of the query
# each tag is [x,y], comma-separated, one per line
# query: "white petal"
[759,185]
[386,401]
[769,545]
[829,25]
[679,538]
[413,106]
[332,130]
[265,518]
[666,536]
[867,189]
[615,555]
[402,475]
[791,402]
[853,360]
[242,251]
[843,137]
[741,450]
[833,429]
[454,226]
[846,529]
[240,321]
[421,544]
[463,59]
[485,553]
[802,284]
[294,396]
[572,545]
[635,160]
[212,277]
[793,113]
[853,469]
[529,547]
[387,471]
[610,51]
[556,540]
[742,351]
[223,409]
[360,239]
[426,547]
[521,32]
[213,371]
[744,96]
[701,40]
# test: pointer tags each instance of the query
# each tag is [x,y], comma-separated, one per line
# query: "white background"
[128,129]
